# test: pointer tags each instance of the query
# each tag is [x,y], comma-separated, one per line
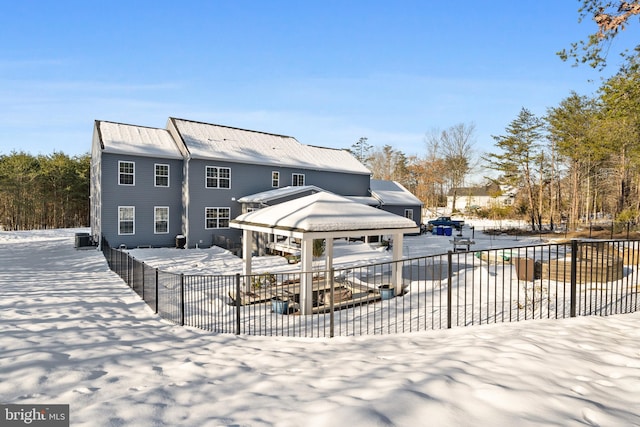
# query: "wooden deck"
[346,294]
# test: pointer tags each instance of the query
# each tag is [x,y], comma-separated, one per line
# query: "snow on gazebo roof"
[324,212]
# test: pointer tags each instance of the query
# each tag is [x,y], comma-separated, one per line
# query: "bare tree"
[455,147]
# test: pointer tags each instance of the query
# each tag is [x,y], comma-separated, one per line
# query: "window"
[161,219]
[218,177]
[408,213]
[162,175]
[217,217]
[126,220]
[275,179]
[297,179]
[126,173]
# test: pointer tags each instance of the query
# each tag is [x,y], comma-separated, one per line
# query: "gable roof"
[215,142]
[121,138]
[323,212]
[392,193]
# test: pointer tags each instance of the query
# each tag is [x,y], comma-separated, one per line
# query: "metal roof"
[210,141]
[136,140]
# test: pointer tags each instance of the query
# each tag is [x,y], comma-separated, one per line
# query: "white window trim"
[408,213]
[134,220]
[304,179]
[276,175]
[155,219]
[218,208]
[120,162]
[155,175]
[206,168]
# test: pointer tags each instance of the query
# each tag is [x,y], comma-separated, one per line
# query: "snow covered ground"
[72,332]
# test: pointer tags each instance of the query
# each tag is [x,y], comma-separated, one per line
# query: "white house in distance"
[484,197]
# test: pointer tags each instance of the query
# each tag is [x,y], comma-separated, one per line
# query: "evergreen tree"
[519,158]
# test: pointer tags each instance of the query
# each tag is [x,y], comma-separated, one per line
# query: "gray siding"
[246,180]
[399,210]
[144,196]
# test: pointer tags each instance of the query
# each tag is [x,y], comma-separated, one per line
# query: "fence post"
[331,293]
[156,291]
[449,286]
[574,274]
[238,297]
[181,299]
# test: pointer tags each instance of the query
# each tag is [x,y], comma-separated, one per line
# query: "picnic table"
[462,243]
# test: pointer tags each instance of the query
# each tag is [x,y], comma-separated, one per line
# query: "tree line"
[44,191]
[579,161]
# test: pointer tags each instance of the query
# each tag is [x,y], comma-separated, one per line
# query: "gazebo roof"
[323,212]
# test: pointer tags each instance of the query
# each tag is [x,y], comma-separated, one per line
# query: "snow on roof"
[277,193]
[136,140]
[365,200]
[392,193]
[323,212]
[209,141]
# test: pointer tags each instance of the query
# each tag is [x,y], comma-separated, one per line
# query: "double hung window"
[126,220]
[161,175]
[297,179]
[126,173]
[217,177]
[161,219]
[217,217]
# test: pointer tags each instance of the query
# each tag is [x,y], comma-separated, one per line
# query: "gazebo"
[322,216]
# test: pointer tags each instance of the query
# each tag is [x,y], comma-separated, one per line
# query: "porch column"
[247,245]
[396,267]
[306,276]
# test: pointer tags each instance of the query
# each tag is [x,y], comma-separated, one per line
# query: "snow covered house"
[469,198]
[150,185]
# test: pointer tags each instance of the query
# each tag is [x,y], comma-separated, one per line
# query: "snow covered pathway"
[73,332]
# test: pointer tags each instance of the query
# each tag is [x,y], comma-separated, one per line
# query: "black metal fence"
[549,281]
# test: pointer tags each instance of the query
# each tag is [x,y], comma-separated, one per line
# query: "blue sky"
[325,72]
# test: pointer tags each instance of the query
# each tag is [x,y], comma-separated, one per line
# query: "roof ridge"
[132,125]
[235,128]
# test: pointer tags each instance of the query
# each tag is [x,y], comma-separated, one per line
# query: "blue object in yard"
[440,231]
[434,231]
[279,306]
[387,292]
[447,231]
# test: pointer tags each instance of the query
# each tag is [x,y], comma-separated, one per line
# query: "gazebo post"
[396,267]
[306,278]
[328,264]
[247,249]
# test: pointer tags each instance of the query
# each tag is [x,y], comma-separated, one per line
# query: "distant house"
[469,198]
[150,185]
